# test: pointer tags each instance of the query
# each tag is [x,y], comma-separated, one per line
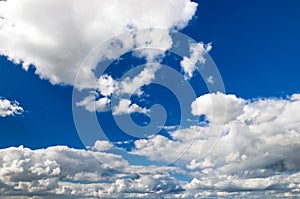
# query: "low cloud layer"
[256,156]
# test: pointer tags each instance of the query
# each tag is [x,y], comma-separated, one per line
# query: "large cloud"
[259,138]
[67,172]
[63,172]
[8,108]
[257,155]
[56,44]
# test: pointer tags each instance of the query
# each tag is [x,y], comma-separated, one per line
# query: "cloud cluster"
[257,134]
[256,156]
[100,100]
[68,172]
[8,108]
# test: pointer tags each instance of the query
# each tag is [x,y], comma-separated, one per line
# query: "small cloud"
[102,145]
[9,108]
[125,106]
[188,64]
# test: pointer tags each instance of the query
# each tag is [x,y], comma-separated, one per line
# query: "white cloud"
[257,134]
[67,173]
[215,105]
[125,106]
[9,108]
[92,104]
[133,85]
[57,44]
[107,86]
[198,50]
[102,145]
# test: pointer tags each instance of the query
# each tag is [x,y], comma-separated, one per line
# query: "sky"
[79,95]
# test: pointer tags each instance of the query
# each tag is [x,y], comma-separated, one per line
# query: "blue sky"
[254,46]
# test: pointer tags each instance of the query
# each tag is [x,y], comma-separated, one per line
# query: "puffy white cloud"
[218,107]
[257,134]
[8,108]
[107,86]
[125,106]
[197,50]
[67,172]
[62,171]
[92,104]
[102,145]
[57,44]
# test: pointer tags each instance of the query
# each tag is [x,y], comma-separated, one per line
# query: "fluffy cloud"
[68,172]
[102,145]
[197,50]
[125,106]
[127,86]
[8,108]
[260,138]
[218,107]
[63,172]
[56,45]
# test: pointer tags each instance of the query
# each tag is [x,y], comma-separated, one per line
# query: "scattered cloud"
[9,108]
[92,104]
[125,106]
[197,52]
[107,87]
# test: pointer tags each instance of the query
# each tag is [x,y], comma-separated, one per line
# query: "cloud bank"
[256,156]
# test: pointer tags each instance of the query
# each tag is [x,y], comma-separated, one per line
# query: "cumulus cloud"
[197,52]
[218,107]
[102,145]
[120,88]
[260,138]
[125,106]
[8,108]
[67,172]
[56,45]
[63,172]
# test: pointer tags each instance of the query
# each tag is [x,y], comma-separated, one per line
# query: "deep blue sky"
[255,46]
